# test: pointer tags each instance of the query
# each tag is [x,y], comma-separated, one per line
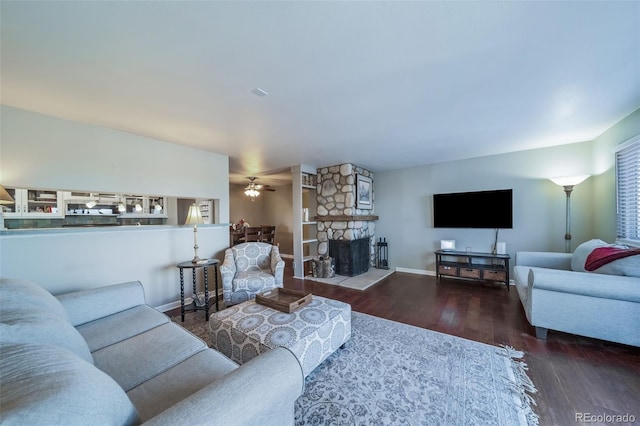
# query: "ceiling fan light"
[251,192]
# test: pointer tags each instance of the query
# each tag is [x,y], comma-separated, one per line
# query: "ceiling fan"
[253,189]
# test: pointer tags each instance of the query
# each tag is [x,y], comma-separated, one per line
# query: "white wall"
[46,152]
[80,259]
[404,199]
[279,212]
[604,173]
[404,203]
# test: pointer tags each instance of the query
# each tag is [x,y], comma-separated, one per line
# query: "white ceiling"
[383,85]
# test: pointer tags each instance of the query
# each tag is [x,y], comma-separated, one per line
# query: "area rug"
[359,282]
[396,374]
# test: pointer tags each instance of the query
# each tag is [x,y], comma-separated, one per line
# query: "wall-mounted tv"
[480,209]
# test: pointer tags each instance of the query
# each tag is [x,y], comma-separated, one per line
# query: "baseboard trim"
[187,301]
[416,271]
[427,272]
[173,305]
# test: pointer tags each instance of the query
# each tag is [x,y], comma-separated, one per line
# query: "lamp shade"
[194,217]
[569,180]
[5,198]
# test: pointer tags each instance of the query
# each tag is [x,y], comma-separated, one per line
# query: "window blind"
[628,192]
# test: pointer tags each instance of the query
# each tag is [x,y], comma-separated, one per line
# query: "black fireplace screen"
[351,256]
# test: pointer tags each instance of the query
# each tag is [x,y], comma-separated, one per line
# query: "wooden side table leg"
[182,294]
[217,297]
[206,293]
[195,290]
[506,267]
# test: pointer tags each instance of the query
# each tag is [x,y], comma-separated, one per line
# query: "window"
[628,191]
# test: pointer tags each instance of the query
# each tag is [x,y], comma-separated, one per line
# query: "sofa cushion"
[19,292]
[582,251]
[44,384]
[167,389]
[28,324]
[137,359]
[121,326]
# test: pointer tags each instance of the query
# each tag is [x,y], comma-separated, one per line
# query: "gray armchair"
[250,268]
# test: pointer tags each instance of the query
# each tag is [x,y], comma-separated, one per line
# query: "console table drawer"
[470,272]
[448,270]
[488,274]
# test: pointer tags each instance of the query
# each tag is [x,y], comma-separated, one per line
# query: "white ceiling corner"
[384,85]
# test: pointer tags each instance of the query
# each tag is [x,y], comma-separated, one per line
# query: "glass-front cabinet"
[44,208]
[34,203]
[139,206]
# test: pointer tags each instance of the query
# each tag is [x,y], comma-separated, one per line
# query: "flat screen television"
[480,209]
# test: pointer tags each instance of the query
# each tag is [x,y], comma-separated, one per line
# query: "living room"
[46,143]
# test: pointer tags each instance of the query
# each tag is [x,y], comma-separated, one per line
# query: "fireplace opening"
[351,256]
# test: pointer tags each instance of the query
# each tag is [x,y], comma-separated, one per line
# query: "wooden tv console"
[462,264]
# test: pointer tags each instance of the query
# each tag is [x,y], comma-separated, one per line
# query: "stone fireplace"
[341,222]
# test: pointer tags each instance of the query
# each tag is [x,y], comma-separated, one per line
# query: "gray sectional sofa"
[104,357]
[557,293]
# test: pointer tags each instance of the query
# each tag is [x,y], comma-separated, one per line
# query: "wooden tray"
[283,299]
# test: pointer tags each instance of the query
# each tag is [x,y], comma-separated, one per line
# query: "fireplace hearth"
[352,257]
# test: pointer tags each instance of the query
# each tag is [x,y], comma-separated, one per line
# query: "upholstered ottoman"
[312,333]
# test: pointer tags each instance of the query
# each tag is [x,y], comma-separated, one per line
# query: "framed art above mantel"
[364,192]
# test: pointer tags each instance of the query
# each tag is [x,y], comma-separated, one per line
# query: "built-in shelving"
[305,241]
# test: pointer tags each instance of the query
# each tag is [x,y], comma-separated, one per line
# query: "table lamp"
[194,217]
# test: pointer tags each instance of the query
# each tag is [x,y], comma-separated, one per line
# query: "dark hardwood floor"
[572,374]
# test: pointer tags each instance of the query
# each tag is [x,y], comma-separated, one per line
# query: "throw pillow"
[582,251]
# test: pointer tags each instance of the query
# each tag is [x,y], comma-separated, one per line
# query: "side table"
[205,268]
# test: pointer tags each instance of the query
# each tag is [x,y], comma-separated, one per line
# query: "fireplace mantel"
[346,218]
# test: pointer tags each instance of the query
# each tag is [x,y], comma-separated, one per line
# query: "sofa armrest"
[227,273]
[88,305]
[277,265]
[585,283]
[542,259]
[260,392]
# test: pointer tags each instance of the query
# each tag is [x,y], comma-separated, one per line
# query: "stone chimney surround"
[338,217]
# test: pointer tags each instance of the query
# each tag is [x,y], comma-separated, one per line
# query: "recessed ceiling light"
[259,92]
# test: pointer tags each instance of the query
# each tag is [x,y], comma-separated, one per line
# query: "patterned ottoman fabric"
[313,332]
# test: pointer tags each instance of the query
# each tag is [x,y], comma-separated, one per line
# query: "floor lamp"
[568,182]
[194,217]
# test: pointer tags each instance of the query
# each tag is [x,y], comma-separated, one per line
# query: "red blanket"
[603,255]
